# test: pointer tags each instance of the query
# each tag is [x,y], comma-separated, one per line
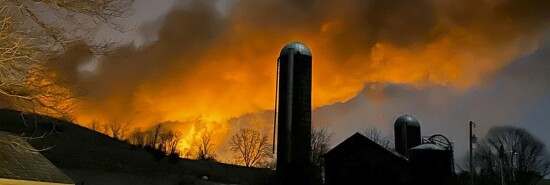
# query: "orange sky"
[217,67]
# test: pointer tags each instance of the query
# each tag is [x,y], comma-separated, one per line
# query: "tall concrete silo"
[294,115]
[407,134]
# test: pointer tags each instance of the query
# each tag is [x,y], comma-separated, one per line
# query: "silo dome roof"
[298,46]
[428,146]
[408,120]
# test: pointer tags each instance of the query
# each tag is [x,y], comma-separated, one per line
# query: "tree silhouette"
[169,140]
[511,155]
[137,137]
[320,140]
[35,32]
[250,147]
[378,137]
[152,136]
[95,125]
[205,147]
[173,141]
[117,129]
[29,38]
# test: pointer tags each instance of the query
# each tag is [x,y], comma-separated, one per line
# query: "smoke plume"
[216,60]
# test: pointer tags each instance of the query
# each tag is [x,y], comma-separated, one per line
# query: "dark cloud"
[382,58]
[184,37]
[517,95]
[195,30]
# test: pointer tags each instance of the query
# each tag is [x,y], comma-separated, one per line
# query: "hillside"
[89,157]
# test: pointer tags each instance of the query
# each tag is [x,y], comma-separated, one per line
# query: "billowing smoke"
[216,59]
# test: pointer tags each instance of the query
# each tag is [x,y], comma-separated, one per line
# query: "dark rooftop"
[18,161]
[359,140]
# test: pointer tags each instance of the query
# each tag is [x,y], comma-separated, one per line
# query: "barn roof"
[360,140]
[19,163]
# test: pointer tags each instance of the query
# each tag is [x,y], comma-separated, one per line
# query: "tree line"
[250,147]
[507,155]
[159,140]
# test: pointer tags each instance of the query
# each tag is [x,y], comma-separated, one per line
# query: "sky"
[210,65]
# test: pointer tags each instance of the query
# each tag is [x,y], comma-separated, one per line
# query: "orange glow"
[236,75]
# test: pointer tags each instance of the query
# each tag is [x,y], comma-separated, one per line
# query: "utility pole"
[472,140]
[501,156]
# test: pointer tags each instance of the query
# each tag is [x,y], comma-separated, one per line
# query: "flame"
[235,74]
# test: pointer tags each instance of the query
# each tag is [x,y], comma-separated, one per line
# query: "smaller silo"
[407,134]
[431,164]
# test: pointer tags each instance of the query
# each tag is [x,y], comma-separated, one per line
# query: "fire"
[226,65]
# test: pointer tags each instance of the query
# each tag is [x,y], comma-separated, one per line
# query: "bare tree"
[320,140]
[137,137]
[33,32]
[513,155]
[172,144]
[378,137]
[95,125]
[250,147]
[29,38]
[124,130]
[164,138]
[117,129]
[205,147]
[105,129]
[153,134]
[168,141]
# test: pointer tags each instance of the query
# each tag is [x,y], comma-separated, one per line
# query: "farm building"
[416,160]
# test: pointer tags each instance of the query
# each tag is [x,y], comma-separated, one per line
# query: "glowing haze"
[214,61]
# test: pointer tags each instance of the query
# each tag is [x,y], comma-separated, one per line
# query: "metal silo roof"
[428,146]
[408,120]
[298,47]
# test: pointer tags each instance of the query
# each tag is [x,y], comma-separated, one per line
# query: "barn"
[416,160]
[359,160]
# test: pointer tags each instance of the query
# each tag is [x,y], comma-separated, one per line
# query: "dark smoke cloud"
[428,58]
[185,34]
[192,30]
[517,95]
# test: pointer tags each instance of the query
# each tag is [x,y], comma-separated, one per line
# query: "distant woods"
[159,140]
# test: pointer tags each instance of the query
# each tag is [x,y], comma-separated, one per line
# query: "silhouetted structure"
[20,165]
[416,161]
[407,134]
[294,115]
[431,164]
[359,160]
